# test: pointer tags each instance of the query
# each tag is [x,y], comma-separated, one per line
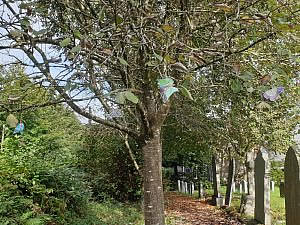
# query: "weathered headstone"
[182,187]
[262,188]
[230,182]
[217,198]
[292,186]
[250,193]
[190,188]
[185,185]
[272,186]
[200,190]
[179,185]
[281,189]
[240,187]
[193,189]
[244,186]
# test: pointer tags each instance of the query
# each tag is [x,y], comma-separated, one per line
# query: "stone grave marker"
[200,190]
[244,186]
[250,192]
[262,188]
[292,186]
[240,187]
[179,185]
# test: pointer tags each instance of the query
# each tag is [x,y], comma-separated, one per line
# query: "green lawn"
[277,203]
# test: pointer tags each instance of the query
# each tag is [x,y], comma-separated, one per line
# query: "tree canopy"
[130,57]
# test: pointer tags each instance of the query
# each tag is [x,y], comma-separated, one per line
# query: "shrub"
[109,167]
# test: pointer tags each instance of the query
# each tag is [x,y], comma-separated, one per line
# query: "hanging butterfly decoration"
[166,88]
[19,128]
[273,94]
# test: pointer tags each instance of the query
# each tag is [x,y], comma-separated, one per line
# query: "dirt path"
[190,211]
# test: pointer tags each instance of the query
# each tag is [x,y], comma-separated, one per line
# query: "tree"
[113,54]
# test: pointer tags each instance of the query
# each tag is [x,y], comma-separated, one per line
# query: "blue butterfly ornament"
[19,128]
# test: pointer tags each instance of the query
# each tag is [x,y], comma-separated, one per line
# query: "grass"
[277,203]
[110,213]
[114,213]
[277,206]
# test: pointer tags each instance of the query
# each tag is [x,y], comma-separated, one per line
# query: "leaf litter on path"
[190,211]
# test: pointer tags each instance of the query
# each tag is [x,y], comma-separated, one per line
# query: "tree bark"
[153,187]
[230,181]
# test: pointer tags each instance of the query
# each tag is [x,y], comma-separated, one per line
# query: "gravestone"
[230,182]
[281,189]
[182,187]
[292,186]
[179,185]
[250,190]
[193,188]
[217,198]
[244,186]
[240,187]
[200,190]
[272,186]
[185,185]
[190,188]
[262,188]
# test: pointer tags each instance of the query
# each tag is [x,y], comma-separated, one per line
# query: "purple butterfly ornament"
[273,94]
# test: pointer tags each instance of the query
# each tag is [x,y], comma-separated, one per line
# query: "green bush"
[36,185]
[109,167]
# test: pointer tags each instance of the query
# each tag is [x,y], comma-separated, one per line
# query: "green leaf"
[76,49]
[119,20]
[25,22]
[123,61]
[131,97]
[166,82]
[185,92]
[65,42]
[236,86]
[120,98]
[12,121]
[77,34]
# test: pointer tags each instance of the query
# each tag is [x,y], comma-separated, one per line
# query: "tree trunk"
[153,187]
[230,181]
